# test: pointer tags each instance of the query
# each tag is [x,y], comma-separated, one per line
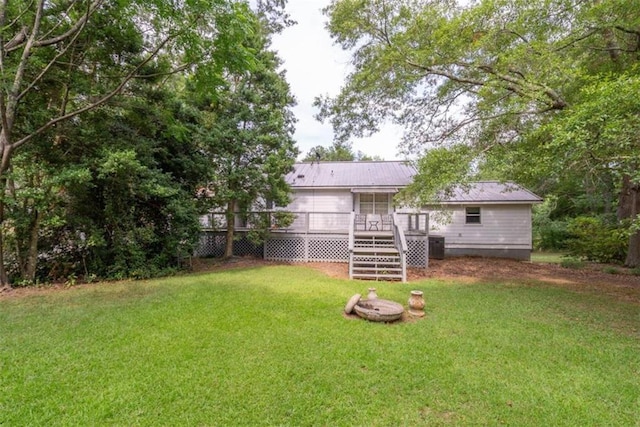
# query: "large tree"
[59,59]
[249,140]
[550,82]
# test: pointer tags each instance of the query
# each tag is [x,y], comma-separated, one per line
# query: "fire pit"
[379,310]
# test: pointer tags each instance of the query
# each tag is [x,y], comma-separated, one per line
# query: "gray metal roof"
[350,174]
[380,176]
[492,192]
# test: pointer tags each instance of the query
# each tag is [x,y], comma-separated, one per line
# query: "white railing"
[303,222]
[352,222]
[413,222]
[401,245]
[314,222]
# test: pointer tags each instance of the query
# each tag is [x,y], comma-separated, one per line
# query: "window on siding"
[472,215]
[377,203]
[366,203]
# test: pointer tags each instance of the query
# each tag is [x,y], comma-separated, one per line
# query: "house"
[345,212]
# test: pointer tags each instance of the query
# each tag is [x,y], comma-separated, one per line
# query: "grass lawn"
[548,257]
[269,346]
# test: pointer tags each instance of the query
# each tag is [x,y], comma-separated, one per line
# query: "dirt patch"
[591,278]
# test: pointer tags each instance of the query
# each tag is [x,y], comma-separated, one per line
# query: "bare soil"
[592,278]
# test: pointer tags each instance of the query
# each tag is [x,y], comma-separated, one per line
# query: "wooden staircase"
[375,256]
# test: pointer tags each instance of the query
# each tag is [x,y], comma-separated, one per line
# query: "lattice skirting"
[307,248]
[213,244]
[417,252]
[300,248]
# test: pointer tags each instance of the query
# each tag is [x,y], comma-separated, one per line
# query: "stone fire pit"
[379,310]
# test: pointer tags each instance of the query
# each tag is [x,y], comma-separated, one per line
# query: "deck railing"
[313,222]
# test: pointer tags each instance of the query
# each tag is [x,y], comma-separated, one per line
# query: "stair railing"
[352,222]
[401,245]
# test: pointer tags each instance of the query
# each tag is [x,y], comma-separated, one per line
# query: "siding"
[321,201]
[502,227]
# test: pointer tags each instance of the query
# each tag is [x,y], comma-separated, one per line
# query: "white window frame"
[468,215]
[377,201]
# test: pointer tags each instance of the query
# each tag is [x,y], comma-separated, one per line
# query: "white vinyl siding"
[322,202]
[503,226]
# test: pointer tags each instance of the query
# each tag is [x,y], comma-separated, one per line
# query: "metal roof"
[350,174]
[492,192]
[385,176]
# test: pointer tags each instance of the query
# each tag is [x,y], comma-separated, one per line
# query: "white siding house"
[485,219]
[338,204]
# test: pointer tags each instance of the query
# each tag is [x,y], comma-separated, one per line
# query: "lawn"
[270,346]
[550,257]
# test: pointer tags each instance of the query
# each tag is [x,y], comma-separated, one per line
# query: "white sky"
[315,66]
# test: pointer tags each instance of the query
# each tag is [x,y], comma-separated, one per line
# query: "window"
[377,203]
[472,215]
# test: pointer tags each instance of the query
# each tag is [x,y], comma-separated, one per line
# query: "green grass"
[548,257]
[269,346]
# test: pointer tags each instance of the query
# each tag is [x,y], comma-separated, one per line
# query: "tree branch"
[53,60]
[128,77]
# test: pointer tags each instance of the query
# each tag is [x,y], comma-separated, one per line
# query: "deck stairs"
[375,256]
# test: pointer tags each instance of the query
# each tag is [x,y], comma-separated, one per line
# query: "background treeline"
[123,121]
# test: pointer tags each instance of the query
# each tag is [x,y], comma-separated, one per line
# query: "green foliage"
[439,171]
[611,270]
[247,137]
[99,165]
[508,88]
[548,233]
[593,239]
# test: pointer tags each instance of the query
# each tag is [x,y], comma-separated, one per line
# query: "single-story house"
[345,212]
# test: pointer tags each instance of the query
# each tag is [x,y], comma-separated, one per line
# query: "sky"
[315,66]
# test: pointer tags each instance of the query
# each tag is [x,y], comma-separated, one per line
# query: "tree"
[492,80]
[337,152]
[59,60]
[250,140]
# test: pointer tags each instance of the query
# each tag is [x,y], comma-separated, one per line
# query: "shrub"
[594,239]
[548,233]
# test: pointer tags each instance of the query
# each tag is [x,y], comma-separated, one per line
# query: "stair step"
[376,263]
[377,276]
[374,250]
[380,271]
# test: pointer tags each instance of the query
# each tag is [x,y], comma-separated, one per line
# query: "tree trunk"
[629,208]
[228,251]
[32,254]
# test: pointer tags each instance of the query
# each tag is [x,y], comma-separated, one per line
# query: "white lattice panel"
[287,249]
[244,247]
[211,245]
[417,253]
[328,250]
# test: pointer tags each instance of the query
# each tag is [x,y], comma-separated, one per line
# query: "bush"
[550,236]
[593,239]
